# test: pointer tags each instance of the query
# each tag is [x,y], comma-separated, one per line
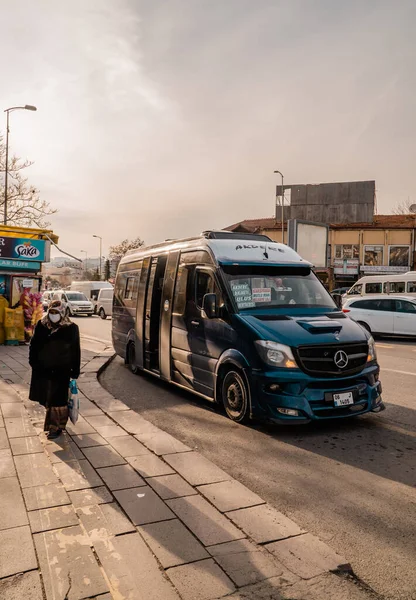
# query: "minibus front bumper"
[298,398]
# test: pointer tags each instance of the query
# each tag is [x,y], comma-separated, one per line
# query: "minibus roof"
[228,249]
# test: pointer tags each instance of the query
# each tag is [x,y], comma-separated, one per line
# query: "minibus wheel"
[131,354]
[235,396]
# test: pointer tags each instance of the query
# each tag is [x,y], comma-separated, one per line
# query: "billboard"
[310,240]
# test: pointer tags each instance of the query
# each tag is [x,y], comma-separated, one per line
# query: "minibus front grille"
[320,360]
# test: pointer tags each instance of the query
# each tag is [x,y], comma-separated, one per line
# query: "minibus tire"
[131,354]
[367,327]
[102,314]
[235,396]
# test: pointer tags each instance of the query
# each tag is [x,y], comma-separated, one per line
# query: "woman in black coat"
[55,358]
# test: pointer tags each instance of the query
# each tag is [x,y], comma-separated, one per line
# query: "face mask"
[55,318]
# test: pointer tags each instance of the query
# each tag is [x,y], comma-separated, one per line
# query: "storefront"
[22,252]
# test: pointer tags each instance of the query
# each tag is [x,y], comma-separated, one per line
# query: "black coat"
[55,358]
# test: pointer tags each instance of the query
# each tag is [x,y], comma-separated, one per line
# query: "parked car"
[91,289]
[76,302]
[392,315]
[104,305]
[46,299]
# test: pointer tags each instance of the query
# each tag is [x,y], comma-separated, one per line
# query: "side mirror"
[337,298]
[210,306]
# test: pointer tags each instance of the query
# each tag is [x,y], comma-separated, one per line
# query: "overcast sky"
[162,118]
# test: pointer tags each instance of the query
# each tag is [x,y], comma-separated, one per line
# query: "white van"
[404,283]
[91,289]
[104,306]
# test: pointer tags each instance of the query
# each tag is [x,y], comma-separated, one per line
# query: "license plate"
[343,399]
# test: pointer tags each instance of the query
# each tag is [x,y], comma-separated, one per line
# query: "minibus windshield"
[257,287]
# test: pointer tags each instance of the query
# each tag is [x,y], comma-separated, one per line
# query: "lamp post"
[283,213]
[6,173]
[101,253]
[86,260]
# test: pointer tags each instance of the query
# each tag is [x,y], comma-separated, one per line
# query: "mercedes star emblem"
[341,359]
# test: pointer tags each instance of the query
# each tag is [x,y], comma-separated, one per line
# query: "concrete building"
[384,246]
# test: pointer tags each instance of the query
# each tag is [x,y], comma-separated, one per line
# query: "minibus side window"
[397,287]
[355,290]
[179,301]
[197,257]
[411,286]
[373,288]
[205,284]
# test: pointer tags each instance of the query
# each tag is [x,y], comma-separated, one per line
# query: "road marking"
[401,372]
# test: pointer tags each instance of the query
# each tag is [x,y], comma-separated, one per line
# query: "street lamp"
[283,214]
[86,259]
[101,252]
[6,175]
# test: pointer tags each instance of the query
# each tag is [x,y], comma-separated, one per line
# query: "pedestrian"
[55,358]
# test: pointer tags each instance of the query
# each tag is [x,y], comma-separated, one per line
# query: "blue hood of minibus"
[299,330]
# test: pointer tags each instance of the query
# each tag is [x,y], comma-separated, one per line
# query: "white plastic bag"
[73,401]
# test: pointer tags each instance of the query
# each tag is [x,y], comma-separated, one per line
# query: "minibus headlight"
[276,355]
[372,355]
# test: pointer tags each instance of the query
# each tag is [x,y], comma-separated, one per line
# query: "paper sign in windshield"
[243,296]
[262,295]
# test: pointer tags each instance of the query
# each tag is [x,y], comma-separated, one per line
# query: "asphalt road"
[94,328]
[351,483]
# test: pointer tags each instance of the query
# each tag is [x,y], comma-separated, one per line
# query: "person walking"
[55,358]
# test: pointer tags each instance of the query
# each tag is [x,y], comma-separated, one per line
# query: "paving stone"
[205,521]
[76,451]
[34,470]
[133,423]
[326,587]
[171,486]
[68,564]
[88,497]
[109,404]
[12,507]
[104,521]
[24,585]
[13,409]
[264,523]
[82,426]
[196,469]
[78,475]
[143,506]
[4,442]
[88,440]
[149,465]
[201,580]
[103,456]
[17,553]
[17,427]
[245,563]
[26,445]
[87,408]
[126,445]
[308,556]
[1,421]
[111,431]
[229,495]
[10,396]
[6,464]
[100,421]
[52,518]
[132,569]
[45,496]
[172,543]
[60,451]
[161,442]
[120,477]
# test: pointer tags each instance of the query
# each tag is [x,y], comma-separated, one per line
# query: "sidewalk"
[118,509]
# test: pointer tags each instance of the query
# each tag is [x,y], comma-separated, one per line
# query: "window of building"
[343,251]
[373,288]
[397,287]
[399,256]
[411,286]
[373,255]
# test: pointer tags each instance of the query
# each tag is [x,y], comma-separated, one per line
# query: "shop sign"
[19,265]
[22,248]
[346,266]
[383,269]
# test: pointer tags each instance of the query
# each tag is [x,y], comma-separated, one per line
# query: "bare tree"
[24,206]
[403,207]
[119,250]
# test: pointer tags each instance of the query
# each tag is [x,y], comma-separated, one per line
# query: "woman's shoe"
[53,435]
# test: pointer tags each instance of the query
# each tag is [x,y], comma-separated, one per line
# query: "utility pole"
[283,209]
[101,254]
